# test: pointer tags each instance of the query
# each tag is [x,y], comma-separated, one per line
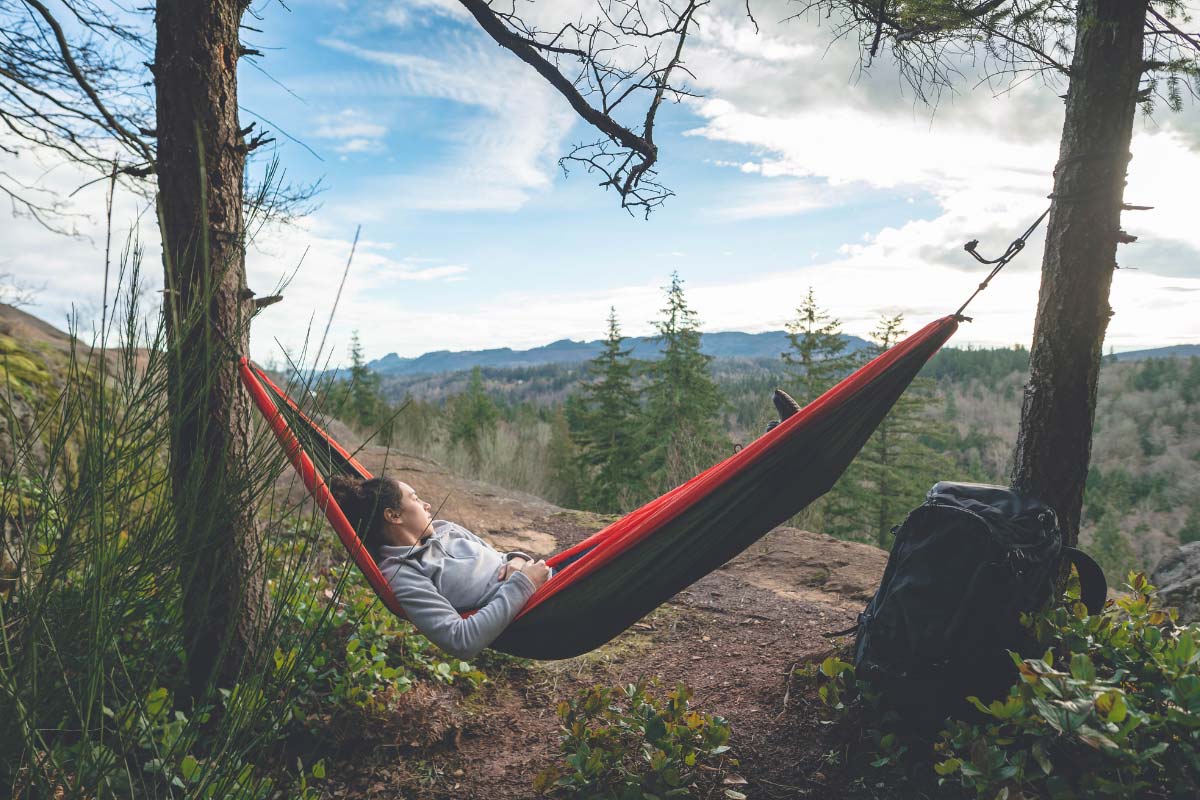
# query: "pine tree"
[818,354]
[563,461]
[950,414]
[364,400]
[1190,532]
[605,426]
[682,400]
[473,418]
[1191,382]
[898,464]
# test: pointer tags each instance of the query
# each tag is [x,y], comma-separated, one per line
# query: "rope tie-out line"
[1018,244]
[1014,248]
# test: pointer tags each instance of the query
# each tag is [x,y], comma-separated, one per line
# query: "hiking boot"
[785,405]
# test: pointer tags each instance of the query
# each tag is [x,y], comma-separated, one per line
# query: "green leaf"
[1039,755]
[318,770]
[1112,706]
[156,701]
[948,766]
[1082,667]
[1094,738]
[975,701]
[656,729]
[833,667]
[188,766]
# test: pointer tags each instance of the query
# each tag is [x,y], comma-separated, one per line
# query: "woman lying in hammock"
[437,568]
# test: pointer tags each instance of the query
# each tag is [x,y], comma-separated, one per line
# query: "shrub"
[1112,709]
[365,658]
[629,745]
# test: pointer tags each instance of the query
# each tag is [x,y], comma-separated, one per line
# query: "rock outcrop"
[1177,577]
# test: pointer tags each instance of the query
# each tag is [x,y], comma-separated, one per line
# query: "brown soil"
[736,637]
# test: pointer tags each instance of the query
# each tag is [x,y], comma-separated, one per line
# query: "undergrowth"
[636,743]
[1112,709]
[95,700]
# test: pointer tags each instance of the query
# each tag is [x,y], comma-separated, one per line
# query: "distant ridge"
[1174,351]
[727,344]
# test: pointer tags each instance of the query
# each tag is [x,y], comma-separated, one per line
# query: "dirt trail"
[735,637]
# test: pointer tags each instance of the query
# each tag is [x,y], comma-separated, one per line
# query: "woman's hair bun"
[344,488]
[363,503]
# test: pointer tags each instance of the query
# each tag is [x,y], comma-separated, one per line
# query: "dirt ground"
[736,637]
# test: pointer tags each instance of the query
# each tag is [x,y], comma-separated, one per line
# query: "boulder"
[1177,577]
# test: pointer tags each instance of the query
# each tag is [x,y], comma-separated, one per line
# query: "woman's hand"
[515,564]
[537,572]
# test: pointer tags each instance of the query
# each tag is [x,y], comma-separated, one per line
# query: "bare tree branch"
[73,85]
[18,293]
[612,59]
[1171,29]
[65,91]
[129,138]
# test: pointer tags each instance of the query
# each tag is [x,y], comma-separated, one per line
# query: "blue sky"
[792,169]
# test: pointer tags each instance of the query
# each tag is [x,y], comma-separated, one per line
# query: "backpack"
[964,566]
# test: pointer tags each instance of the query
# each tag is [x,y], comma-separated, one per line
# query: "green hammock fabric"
[621,573]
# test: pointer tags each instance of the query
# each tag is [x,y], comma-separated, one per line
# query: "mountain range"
[723,345]
[1174,351]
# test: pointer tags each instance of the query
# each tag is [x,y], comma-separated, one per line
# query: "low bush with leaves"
[366,656]
[631,744]
[1112,709]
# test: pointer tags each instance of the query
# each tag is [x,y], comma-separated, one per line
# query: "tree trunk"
[1055,438]
[201,158]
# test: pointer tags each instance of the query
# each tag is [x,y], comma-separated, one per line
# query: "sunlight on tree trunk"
[1054,444]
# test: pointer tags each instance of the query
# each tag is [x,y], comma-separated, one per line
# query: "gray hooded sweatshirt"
[451,571]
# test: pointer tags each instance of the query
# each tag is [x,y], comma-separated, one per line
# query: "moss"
[24,368]
[8,344]
[18,370]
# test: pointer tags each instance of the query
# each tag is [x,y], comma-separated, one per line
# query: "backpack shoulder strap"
[1093,588]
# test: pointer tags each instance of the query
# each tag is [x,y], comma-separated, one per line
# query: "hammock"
[613,578]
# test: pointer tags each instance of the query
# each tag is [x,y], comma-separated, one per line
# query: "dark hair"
[363,503]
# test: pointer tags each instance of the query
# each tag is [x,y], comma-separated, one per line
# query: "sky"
[791,168]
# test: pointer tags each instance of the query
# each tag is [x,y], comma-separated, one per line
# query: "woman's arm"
[433,615]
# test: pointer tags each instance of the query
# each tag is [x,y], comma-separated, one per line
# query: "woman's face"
[414,512]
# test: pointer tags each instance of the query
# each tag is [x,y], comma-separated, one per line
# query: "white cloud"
[777,198]
[406,273]
[500,159]
[351,131]
[987,160]
[403,13]
[1146,306]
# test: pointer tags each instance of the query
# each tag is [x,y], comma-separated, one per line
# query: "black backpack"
[964,566]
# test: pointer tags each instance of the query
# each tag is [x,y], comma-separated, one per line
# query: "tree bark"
[1055,437]
[201,158]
